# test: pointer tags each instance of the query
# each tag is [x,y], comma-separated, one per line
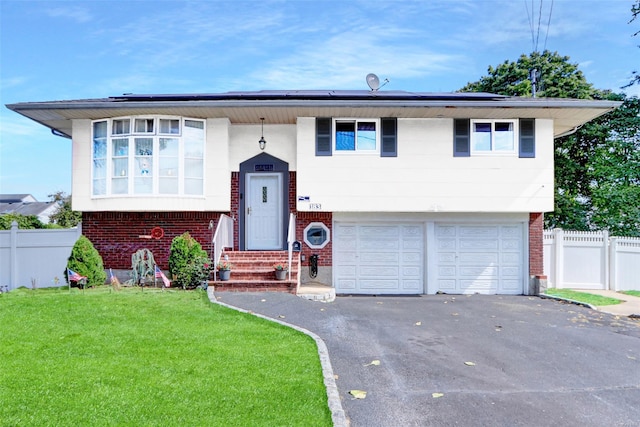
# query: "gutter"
[349,103]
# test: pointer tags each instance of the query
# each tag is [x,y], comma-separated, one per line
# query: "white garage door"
[485,259]
[378,258]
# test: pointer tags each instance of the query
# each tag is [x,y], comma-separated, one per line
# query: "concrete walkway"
[630,306]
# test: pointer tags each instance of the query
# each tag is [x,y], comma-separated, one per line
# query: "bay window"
[155,156]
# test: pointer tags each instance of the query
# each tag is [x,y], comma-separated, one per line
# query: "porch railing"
[291,238]
[222,238]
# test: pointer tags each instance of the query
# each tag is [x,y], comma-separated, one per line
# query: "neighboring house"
[395,192]
[26,204]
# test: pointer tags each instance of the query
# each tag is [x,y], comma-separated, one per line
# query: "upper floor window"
[356,135]
[478,137]
[155,156]
[493,136]
[368,136]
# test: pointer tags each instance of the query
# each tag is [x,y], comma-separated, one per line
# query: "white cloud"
[74,13]
[15,125]
[10,83]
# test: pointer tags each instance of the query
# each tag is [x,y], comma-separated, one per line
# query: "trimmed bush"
[86,261]
[188,263]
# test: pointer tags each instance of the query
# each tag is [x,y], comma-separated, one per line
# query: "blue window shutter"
[389,145]
[323,136]
[461,138]
[527,138]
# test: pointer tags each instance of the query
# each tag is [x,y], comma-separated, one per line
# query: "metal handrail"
[222,238]
[291,238]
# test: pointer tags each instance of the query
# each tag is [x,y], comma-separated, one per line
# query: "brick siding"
[536,251]
[116,235]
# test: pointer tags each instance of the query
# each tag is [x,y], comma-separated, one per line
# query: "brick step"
[258,274]
[255,286]
[256,255]
[253,271]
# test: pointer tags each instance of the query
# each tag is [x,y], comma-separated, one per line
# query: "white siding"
[425,177]
[281,143]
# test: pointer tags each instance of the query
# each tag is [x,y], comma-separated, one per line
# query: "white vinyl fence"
[35,258]
[591,260]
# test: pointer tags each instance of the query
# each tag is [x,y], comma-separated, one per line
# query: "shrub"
[188,262]
[86,261]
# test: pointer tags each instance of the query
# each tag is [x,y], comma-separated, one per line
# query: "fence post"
[13,255]
[605,258]
[612,255]
[558,242]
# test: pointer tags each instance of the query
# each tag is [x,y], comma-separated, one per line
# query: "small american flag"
[73,276]
[160,275]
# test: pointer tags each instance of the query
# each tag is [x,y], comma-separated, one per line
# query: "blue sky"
[58,50]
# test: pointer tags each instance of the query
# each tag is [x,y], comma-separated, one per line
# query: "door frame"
[250,177]
[267,164]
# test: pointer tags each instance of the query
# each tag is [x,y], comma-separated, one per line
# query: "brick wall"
[235,207]
[536,251]
[303,220]
[116,235]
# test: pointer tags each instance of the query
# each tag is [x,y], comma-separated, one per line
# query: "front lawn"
[583,297]
[151,358]
[632,293]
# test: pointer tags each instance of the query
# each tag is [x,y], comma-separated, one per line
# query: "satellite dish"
[373,81]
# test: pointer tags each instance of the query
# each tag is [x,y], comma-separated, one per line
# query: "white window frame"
[357,151]
[317,225]
[493,151]
[130,172]
[136,132]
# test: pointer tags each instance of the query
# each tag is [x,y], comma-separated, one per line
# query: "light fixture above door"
[262,142]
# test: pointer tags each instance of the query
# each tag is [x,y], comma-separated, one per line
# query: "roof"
[13,198]
[40,209]
[285,106]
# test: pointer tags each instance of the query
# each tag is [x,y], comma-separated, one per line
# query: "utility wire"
[548,25]
[530,19]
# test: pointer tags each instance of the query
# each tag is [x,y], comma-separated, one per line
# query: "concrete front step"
[317,292]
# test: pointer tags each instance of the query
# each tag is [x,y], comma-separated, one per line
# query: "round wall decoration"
[157,232]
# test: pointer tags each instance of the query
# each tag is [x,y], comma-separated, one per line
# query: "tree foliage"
[558,78]
[64,216]
[598,173]
[635,13]
[597,169]
[24,221]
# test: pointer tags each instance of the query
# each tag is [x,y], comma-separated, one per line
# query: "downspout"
[56,132]
[569,132]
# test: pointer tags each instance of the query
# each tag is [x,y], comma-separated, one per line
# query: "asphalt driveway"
[491,360]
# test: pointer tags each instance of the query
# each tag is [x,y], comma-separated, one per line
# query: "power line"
[548,25]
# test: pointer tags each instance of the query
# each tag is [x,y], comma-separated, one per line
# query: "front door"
[263,210]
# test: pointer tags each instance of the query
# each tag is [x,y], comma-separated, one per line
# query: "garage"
[376,259]
[479,258]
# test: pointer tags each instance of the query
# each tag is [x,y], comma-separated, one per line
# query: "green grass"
[151,358]
[632,293]
[583,297]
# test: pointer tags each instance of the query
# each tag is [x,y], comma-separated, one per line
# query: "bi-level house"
[393,192]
